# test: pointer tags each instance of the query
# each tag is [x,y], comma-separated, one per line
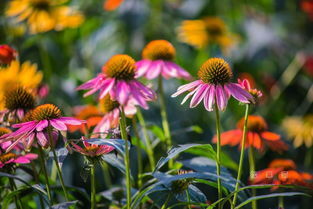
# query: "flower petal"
[186,87]
[239,93]
[42,125]
[270,136]
[58,124]
[199,95]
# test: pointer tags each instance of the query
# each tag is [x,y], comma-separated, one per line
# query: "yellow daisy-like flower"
[300,129]
[200,33]
[17,74]
[44,15]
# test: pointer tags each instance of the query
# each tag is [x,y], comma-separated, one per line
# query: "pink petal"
[43,141]
[58,124]
[71,121]
[154,69]
[142,67]
[239,93]
[221,97]
[199,95]
[209,99]
[122,92]
[30,140]
[190,94]
[42,125]
[22,160]
[186,87]
[89,84]
[149,93]
[106,87]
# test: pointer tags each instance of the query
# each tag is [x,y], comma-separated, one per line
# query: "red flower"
[282,172]
[307,7]
[7,54]
[308,64]
[257,136]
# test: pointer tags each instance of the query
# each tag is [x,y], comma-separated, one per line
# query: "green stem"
[106,173]
[281,202]
[126,157]
[308,157]
[218,154]
[252,173]
[164,206]
[139,156]
[43,167]
[242,152]
[17,200]
[37,182]
[165,123]
[149,148]
[188,199]
[55,157]
[93,187]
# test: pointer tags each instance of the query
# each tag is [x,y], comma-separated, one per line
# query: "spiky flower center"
[159,50]
[18,98]
[121,67]
[181,185]
[215,71]
[107,104]
[41,4]
[4,130]
[44,112]
[7,156]
[255,124]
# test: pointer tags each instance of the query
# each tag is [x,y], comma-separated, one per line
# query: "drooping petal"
[209,99]
[221,97]
[43,141]
[106,87]
[122,92]
[270,136]
[71,121]
[186,87]
[58,124]
[239,93]
[154,69]
[199,95]
[142,67]
[42,125]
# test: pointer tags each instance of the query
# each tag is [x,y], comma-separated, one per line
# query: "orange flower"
[7,54]
[257,136]
[110,5]
[282,172]
[90,114]
[307,7]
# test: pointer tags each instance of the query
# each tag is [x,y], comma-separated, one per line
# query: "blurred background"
[268,42]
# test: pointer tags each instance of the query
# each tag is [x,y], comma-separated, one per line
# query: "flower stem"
[147,139]
[37,182]
[126,157]
[242,152]
[281,202]
[218,154]
[55,157]
[164,206]
[252,173]
[165,123]
[43,167]
[139,156]
[188,198]
[93,187]
[17,200]
[106,173]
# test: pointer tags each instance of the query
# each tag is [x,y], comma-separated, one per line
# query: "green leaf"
[284,194]
[158,132]
[204,149]
[197,129]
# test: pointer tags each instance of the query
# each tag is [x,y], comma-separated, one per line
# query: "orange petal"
[231,138]
[270,136]
[110,5]
[257,143]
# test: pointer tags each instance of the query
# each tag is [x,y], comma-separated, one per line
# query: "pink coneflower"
[214,86]
[112,111]
[12,158]
[247,86]
[118,80]
[92,150]
[39,121]
[157,60]
[17,101]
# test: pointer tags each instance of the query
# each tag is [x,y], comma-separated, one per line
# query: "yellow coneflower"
[44,15]
[17,74]
[200,33]
[300,130]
